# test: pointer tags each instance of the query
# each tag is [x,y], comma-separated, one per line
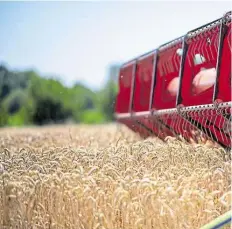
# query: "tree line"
[26,98]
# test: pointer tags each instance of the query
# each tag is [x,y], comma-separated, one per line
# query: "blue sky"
[77,41]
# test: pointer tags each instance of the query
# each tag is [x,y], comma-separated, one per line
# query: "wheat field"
[106,177]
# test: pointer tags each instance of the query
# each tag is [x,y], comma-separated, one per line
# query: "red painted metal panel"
[168,66]
[143,81]
[123,100]
[199,73]
[225,74]
[165,91]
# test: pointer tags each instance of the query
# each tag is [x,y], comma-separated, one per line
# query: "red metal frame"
[202,42]
[126,78]
[223,84]
[168,66]
[210,121]
[123,100]
[143,81]
[222,89]
[141,95]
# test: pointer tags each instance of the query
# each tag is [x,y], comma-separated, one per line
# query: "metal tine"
[160,129]
[175,119]
[176,60]
[207,132]
[222,120]
[177,57]
[199,121]
[169,65]
[171,43]
[187,124]
[228,126]
[189,59]
[208,57]
[168,119]
[189,115]
[205,127]
[211,116]
[179,128]
[167,46]
[202,28]
[163,133]
[194,116]
[159,126]
[207,117]
[162,69]
[212,42]
[213,120]
[187,130]
[201,48]
[215,43]
[171,61]
[172,120]
[200,129]
[155,123]
[192,53]
[186,127]
[163,118]
[204,124]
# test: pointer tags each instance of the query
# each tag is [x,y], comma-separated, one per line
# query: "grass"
[105,176]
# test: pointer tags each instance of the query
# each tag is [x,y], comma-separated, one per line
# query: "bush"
[92,117]
[3,116]
[47,111]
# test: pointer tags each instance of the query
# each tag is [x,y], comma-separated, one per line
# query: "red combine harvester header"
[182,88]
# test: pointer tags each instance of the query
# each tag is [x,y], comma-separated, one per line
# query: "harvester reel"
[181,89]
